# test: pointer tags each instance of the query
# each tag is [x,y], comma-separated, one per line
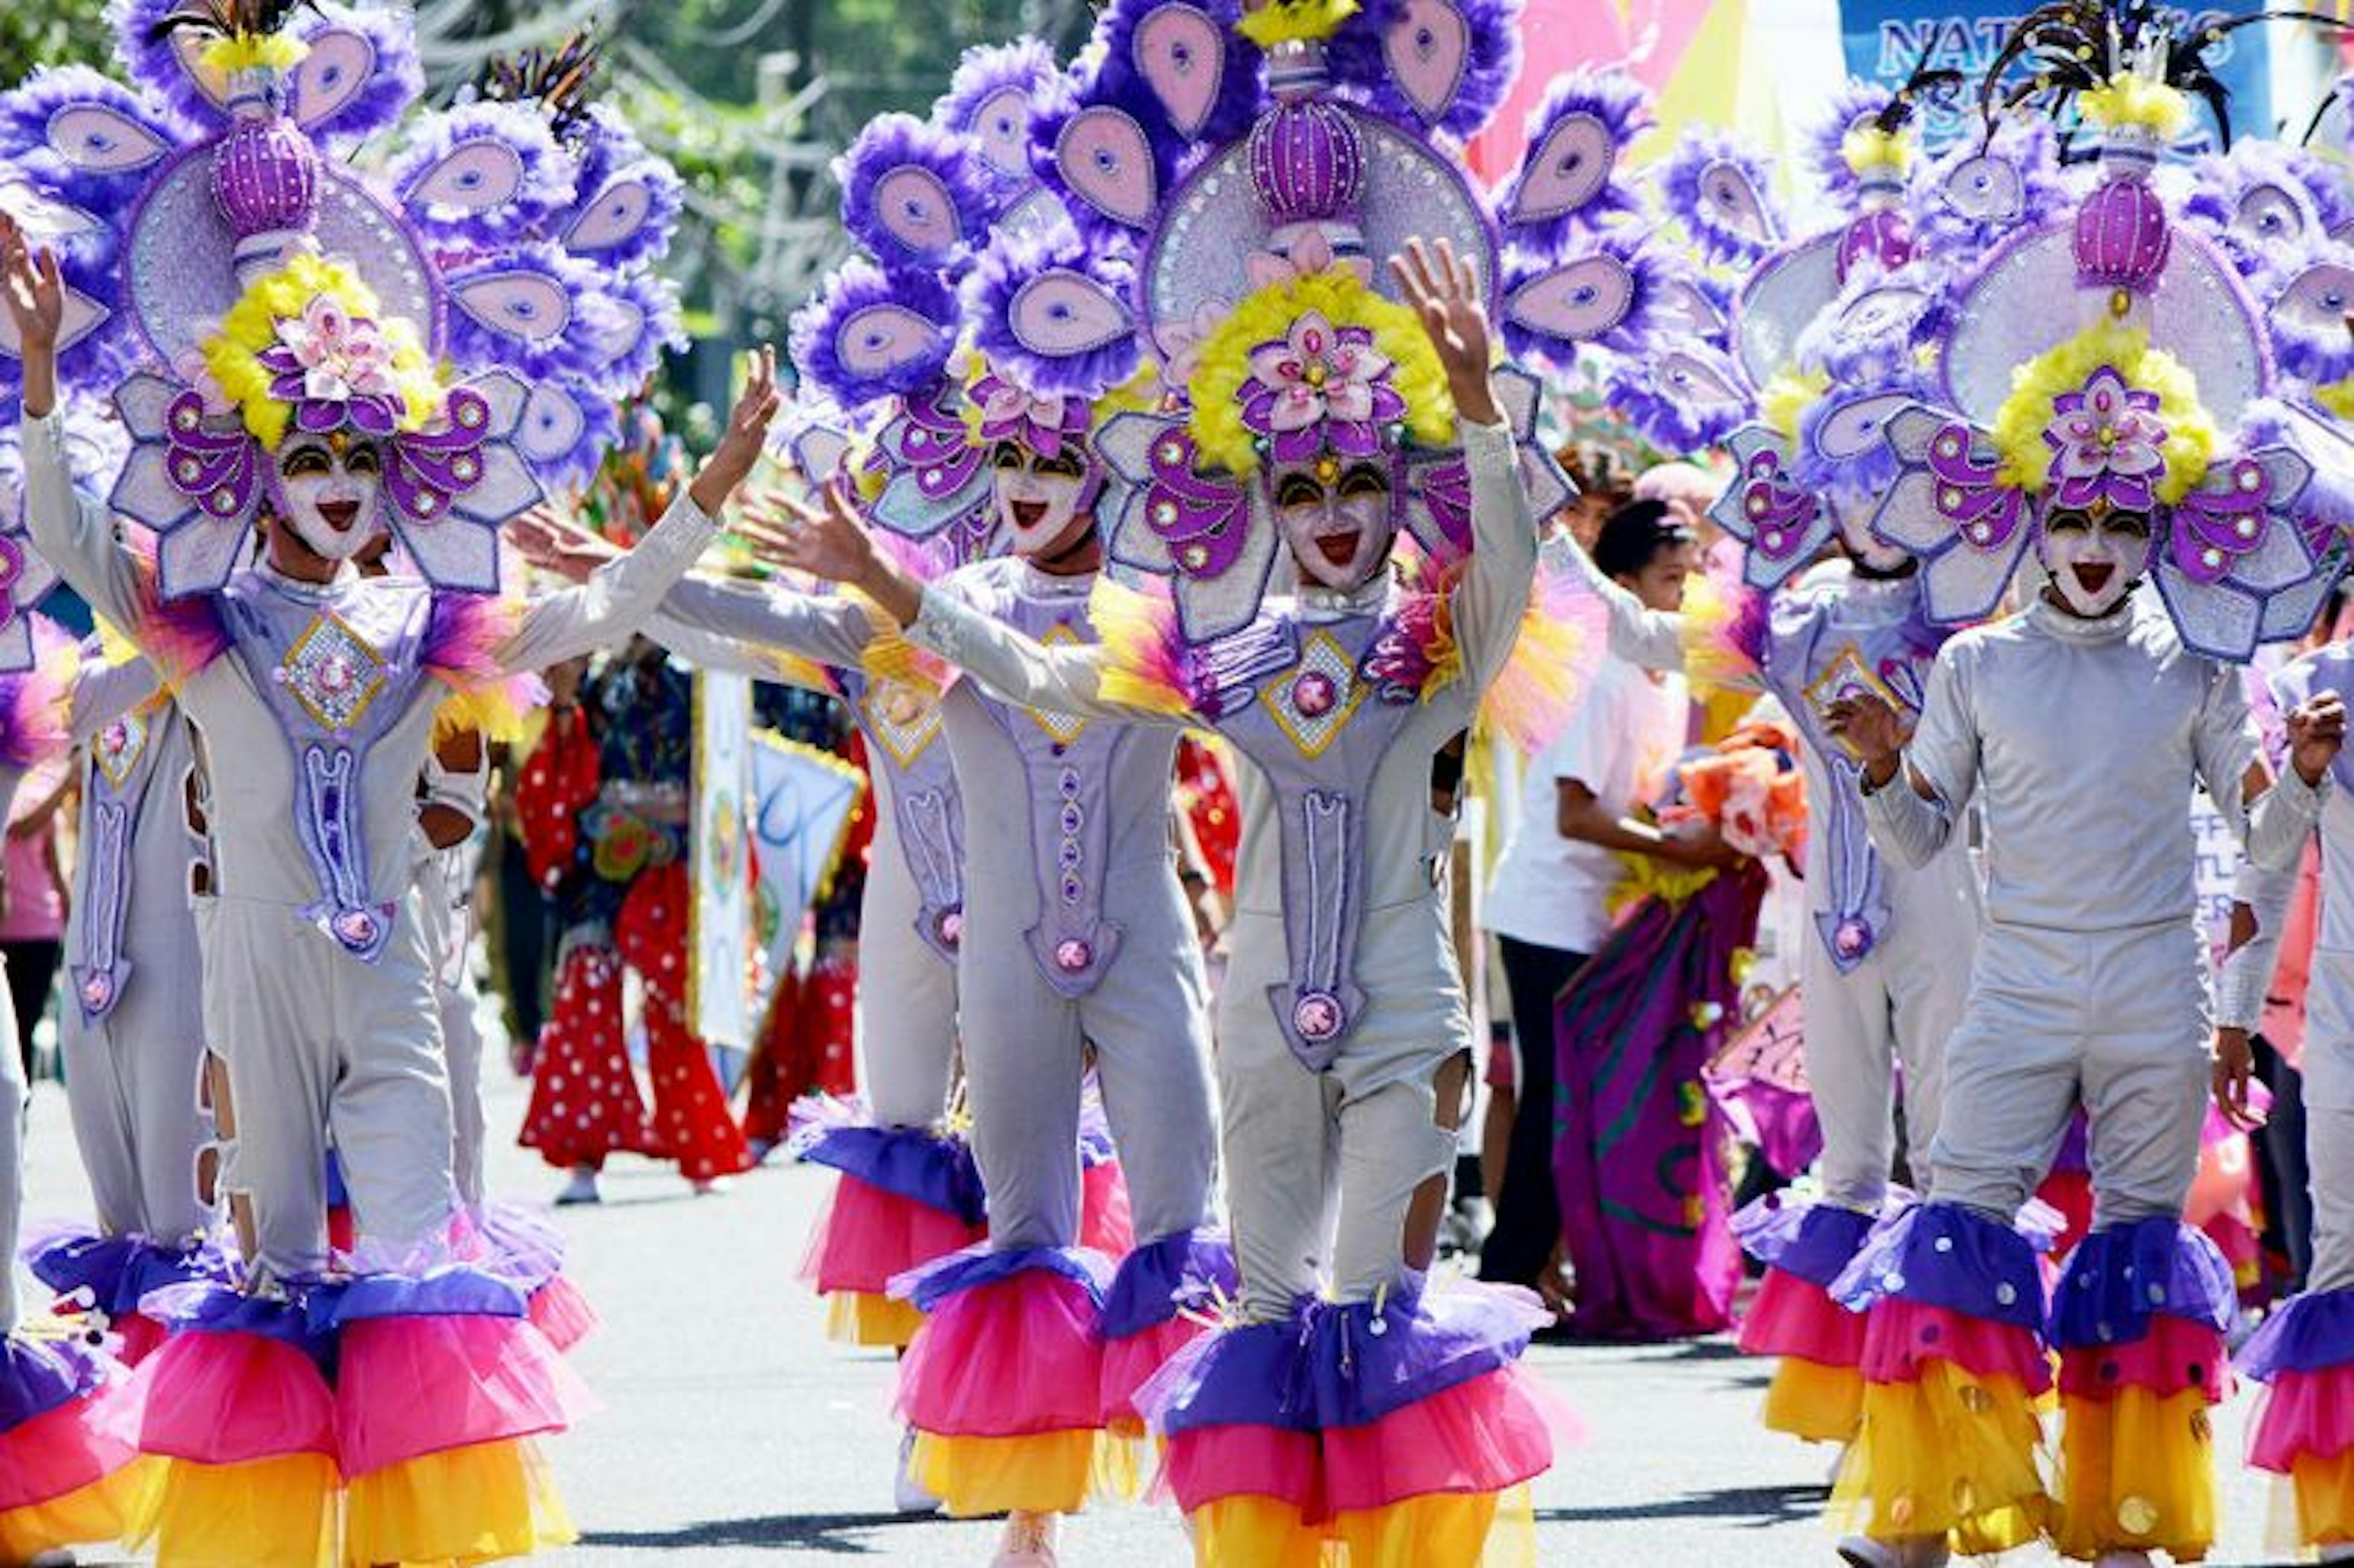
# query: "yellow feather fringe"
[247,51]
[2131,99]
[251,329]
[488,711]
[1266,316]
[1134,631]
[2019,426]
[1287,21]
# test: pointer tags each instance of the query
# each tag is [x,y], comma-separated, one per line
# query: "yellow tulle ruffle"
[1950,1454]
[1491,1530]
[2137,1470]
[856,1317]
[120,1506]
[1044,1472]
[1819,1404]
[2324,1498]
[269,1513]
[475,1504]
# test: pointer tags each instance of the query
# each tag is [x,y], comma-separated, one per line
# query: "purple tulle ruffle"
[912,1162]
[117,1271]
[2118,1280]
[1943,1256]
[37,1378]
[1163,1278]
[1813,1241]
[978,1265]
[1338,1365]
[2314,1332]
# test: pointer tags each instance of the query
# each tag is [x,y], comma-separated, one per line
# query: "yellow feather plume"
[2019,426]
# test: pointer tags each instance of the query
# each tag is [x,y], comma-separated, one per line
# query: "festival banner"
[1885,39]
[803,802]
[718,945]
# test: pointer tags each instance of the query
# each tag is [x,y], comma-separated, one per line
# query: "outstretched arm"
[1490,601]
[74,535]
[618,598]
[104,692]
[1911,817]
[830,542]
[2278,814]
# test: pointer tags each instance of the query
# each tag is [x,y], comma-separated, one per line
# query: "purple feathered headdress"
[1566,180]
[1826,143]
[1657,395]
[869,336]
[917,198]
[484,175]
[630,198]
[1833,456]
[103,173]
[153,60]
[1605,291]
[2261,198]
[994,94]
[363,62]
[1378,54]
[1720,189]
[1978,191]
[2307,290]
[1052,315]
[500,315]
[633,317]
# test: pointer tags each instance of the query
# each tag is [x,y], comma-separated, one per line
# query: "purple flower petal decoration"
[868,336]
[917,198]
[1055,315]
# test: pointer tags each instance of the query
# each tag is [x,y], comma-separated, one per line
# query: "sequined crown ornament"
[2111,359]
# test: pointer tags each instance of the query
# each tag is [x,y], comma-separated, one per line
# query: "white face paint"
[2094,562]
[332,499]
[1037,498]
[1864,549]
[1337,515]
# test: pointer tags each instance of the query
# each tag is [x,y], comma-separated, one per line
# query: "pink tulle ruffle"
[1105,1224]
[230,1399]
[62,1450]
[1007,1359]
[1902,1335]
[2175,1355]
[1493,1432]
[410,1386]
[1795,1317]
[1130,1363]
[2304,1414]
[561,1312]
[866,1237]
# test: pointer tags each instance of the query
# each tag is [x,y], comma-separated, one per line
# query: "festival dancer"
[2123,431]
[71,1476]
[1343,1402]
[319,412]
[2304,1351]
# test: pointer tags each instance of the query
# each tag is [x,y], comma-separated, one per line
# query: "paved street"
[731,1433]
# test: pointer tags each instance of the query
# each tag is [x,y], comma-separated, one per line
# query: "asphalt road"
[731,1433]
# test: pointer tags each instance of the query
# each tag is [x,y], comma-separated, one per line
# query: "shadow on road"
[835,1533]
[1750,1505]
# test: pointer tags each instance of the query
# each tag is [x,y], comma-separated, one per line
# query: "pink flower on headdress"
[198,378]
[2106,444]
[1321,387]
[1009,412]
[334,366]
[1310,254]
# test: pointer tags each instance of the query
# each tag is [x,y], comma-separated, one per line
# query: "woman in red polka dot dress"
[604,803]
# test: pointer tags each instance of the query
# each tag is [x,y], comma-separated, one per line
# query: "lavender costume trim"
[2119,1278]
[1816,1241]
[977,1265]
[110,817]
[1330,1366]
[37,1378]
[916,1164]
[1947,1256]
[1187,1271]
[2311,1333]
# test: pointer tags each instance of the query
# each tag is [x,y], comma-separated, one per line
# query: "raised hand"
[558,546]
[35,294]
[1444,291]
[1867,724]
[2317,729]
[746,437]
[830,542]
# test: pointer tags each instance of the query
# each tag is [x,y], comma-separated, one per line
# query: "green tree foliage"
[50,32]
